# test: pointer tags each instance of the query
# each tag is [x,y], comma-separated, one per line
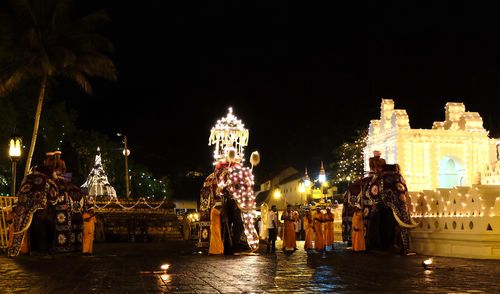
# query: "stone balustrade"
[462,222]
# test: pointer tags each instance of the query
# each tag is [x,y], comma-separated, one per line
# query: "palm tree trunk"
[41,96]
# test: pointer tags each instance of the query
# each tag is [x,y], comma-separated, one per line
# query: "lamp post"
[15,155]
[126,153]
[307,184]
[322,177]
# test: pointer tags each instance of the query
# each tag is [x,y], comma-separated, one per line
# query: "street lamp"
[15,155]
[126,154]
[277,195]
[322,177]
[304,185]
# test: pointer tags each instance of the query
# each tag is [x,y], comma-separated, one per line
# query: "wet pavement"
[135,268]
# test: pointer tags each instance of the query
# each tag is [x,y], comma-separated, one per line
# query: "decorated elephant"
[49,209]
[231,185]
[384,199]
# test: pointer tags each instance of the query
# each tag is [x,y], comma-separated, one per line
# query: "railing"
[6,204]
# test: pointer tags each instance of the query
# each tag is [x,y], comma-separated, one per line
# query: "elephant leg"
[404,231]
[387,227]
[373,230]
[405,240]
[237,226]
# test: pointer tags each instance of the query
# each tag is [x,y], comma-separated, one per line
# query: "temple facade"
[453,153]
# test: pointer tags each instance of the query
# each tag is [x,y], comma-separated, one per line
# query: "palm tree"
[42,41]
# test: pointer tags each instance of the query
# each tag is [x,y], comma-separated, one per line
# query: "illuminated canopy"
[229,134]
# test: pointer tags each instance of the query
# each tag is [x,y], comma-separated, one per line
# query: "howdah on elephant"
[383,198]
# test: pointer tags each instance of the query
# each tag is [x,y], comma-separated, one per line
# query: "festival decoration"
[254,158]
[349,163]
[100,190]
[97,183]
[230,181]
[229,132]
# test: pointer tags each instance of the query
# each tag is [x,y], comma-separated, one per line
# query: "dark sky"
[302,78]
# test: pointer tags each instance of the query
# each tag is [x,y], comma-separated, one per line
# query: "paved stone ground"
[135,268]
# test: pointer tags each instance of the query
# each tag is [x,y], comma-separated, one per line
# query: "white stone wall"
[462,222]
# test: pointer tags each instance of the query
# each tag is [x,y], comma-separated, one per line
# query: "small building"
[287,187]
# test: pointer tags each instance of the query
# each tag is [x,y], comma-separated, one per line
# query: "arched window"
[451,173]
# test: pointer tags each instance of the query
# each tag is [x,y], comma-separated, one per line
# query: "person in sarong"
[89,221]
[376,163]
[358,231]
[309,228]
[289,243]
[49,161]
[319,242]
[60,165]
[328,218]
[216,245]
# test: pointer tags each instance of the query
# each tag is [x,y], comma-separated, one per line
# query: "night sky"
[302,78]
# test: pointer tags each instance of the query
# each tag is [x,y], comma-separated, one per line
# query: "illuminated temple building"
[453,153]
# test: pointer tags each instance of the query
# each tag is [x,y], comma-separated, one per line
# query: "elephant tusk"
[401,223]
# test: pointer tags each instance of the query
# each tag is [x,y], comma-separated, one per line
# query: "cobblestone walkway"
[135,268]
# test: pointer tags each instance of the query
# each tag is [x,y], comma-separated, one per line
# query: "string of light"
[139,201]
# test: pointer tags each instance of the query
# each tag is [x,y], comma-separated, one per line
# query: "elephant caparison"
[383,196]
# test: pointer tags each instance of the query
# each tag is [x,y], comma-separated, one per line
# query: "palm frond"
[97,65]
[80,79]
[13,80]
[91,21]
[92,42]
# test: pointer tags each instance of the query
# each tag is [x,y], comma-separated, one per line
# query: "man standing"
[309,228]
[319,242]
[328,218]
[358,230]
[288,217]
[376,163]
[216,245]
[89,221]
[272,226]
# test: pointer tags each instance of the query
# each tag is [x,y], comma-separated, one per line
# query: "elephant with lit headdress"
[231,184]
[384,199]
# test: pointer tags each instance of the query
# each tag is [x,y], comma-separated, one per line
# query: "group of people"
[318,227]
